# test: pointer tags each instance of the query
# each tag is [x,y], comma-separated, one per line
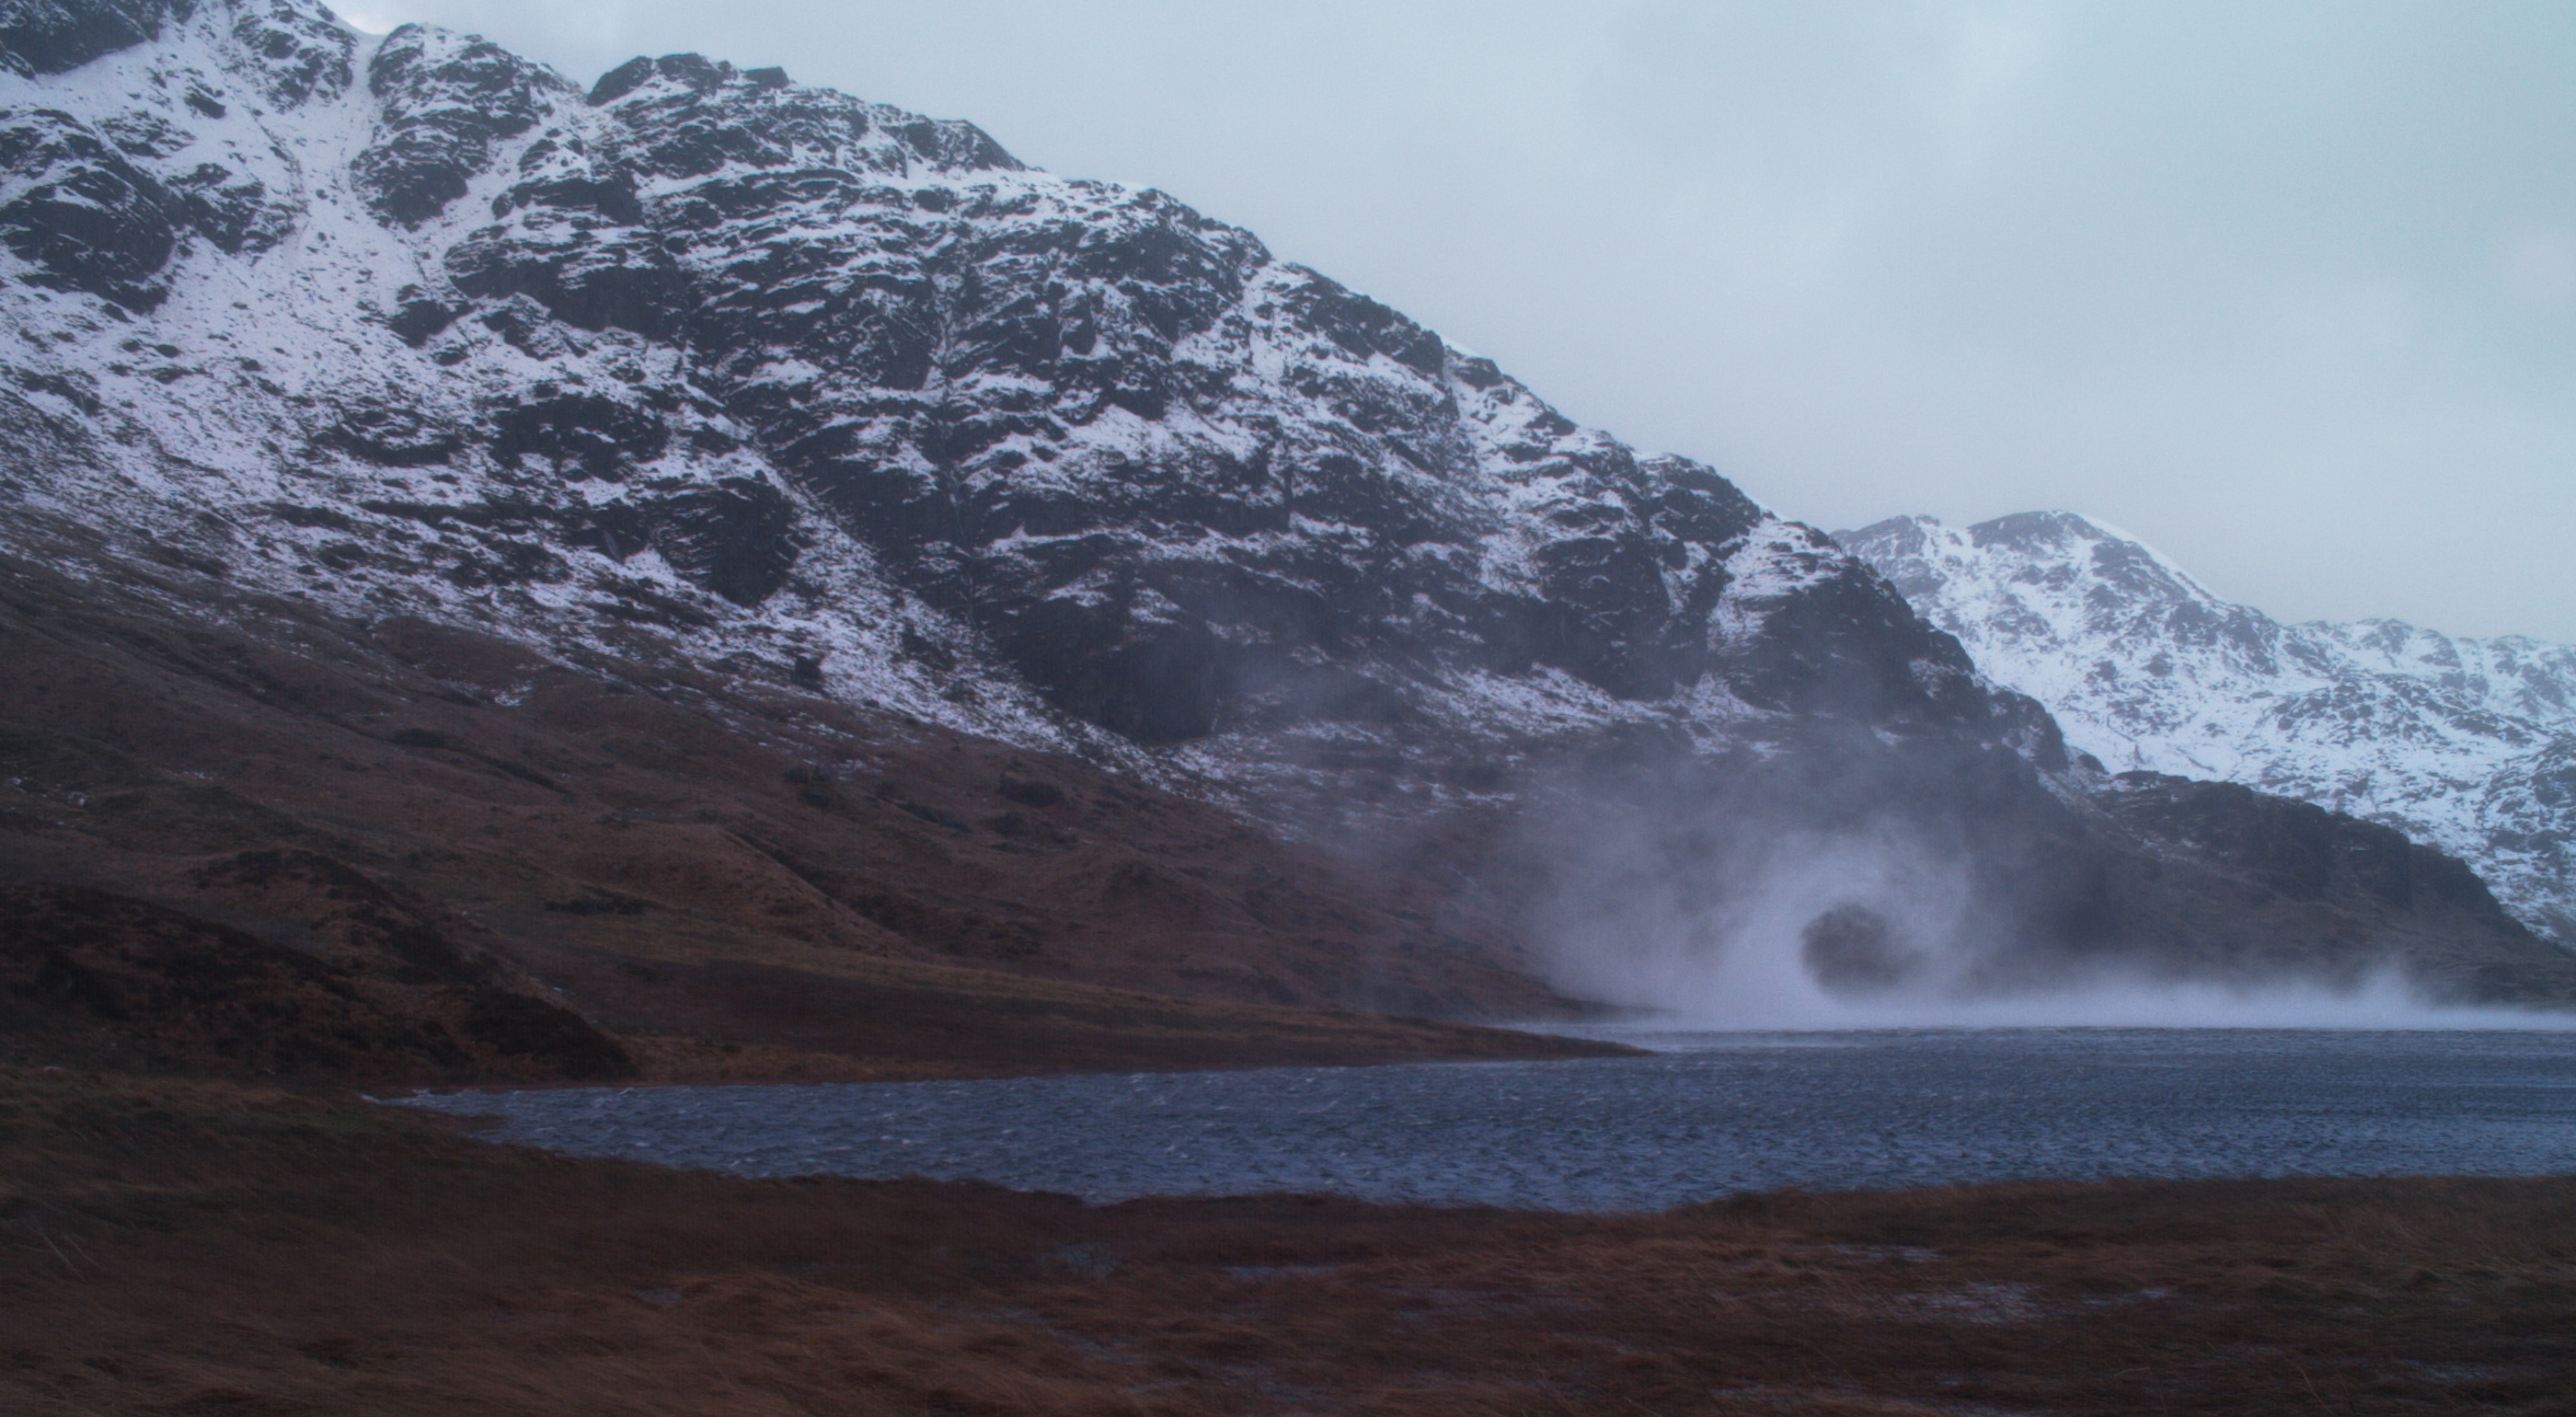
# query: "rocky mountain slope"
[723,392]
[763,369]
[2467,744]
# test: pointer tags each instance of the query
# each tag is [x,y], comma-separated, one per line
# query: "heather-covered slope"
[2467,744]
[280,842]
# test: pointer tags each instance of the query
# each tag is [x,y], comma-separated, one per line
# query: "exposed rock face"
[705,366]
[102,209]
[2463,743]
[444,103]
[50,36]
[1174,485]
[86,218]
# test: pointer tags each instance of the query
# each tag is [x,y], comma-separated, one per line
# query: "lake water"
[1714,1114]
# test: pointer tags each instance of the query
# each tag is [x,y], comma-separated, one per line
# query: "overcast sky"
[2286,289]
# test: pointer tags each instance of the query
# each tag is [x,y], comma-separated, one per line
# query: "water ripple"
[1724,1113]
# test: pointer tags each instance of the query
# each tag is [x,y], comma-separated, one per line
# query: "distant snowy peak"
[2072,605]
[2037,586]
[2463,742]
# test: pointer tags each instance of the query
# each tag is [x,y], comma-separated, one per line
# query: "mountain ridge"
[525,452]
[2466,743]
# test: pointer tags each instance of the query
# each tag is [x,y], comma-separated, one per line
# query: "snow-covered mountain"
[2469,744]
[703,356]
[699,367]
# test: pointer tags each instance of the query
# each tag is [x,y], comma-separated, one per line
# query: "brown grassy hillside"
[276,840]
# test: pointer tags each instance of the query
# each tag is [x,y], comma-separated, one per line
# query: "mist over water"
[1881,927]
[1718,1003]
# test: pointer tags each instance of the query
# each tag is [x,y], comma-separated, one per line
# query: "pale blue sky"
[2288,289]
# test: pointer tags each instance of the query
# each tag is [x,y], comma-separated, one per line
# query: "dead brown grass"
[204,1248]
[616,828]
[296,844]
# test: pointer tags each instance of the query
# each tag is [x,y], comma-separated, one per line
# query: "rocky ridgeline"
[699,343]
[700,365]
[2467,744]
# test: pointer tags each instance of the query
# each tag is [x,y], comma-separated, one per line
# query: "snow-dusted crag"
[697,366]
[2469,744]
[413,323]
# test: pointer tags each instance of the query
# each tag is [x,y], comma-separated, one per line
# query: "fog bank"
[1861,884]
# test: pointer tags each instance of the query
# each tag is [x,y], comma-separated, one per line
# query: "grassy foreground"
[206,1247]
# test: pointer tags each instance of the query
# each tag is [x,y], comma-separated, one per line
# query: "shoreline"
[1745,1115]
[1562,1044]
[188,1245]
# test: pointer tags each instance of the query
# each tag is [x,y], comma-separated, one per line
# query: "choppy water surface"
[1716,1114]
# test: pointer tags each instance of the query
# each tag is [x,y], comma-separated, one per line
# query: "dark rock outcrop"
[301,52]
[579,436]
[2290,882]
[444,104]
[83,215]
[52,36]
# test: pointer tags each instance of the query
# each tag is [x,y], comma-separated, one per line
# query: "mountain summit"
[2468,744]
[701,349]
[854,442]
